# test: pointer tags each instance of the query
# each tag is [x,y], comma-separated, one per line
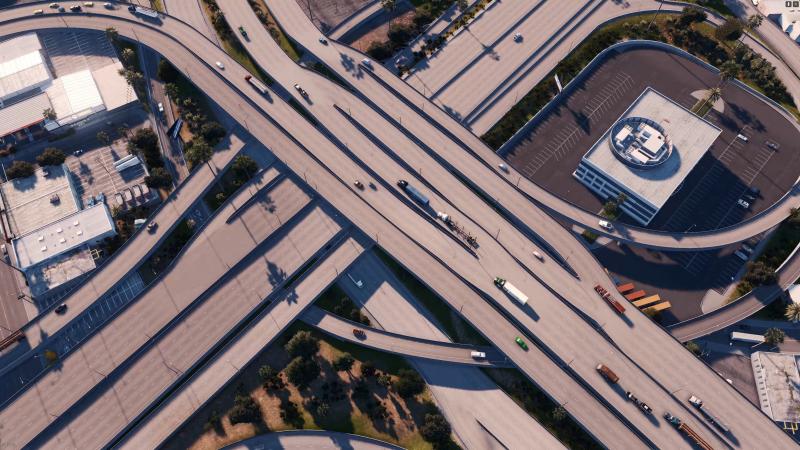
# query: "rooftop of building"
[37,200]
[25,113]
[689,135]
[70,232]
[59,270]
[777,380]
[21,65]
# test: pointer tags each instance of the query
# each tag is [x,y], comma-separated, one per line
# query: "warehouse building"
[646,155]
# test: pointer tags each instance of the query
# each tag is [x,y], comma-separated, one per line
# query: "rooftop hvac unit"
[134,161]
[123,160]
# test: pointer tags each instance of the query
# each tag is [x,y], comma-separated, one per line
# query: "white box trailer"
[511,290]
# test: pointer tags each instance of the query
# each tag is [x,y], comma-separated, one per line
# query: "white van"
[477,355]
[606,225]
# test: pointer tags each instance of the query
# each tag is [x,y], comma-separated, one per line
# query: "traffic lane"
[158,425]
[464,393]
[12,311]
[125,393]
[94,355]
[398,343]
[669,343]
[206,74]
[191,12]
[136,249]
[312,439]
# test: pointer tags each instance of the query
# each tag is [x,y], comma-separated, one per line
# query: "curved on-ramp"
[401,344]
[311,440]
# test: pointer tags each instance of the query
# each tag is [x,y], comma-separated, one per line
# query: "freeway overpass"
[442,279]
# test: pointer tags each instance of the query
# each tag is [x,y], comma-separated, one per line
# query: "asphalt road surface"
[311,440]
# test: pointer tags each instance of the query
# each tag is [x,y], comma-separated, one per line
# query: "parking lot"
[71,51]
[94,173]
[758,170]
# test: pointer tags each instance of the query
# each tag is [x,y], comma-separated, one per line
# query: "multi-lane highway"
[422,247]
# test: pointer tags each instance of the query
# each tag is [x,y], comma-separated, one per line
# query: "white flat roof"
[113,88]
[21,65]
[23,114]
[66,234]
[28,200]
[74,96]
[691,137]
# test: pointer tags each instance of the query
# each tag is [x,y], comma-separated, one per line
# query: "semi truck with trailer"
[511,290]
[258,85]
[412,192]
[688,431]
[698,403]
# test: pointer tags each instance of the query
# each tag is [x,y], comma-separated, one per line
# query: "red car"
[359,334]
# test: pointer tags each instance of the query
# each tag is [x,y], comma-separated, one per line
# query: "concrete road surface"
[401,344]
[311,440]
[482,416]
[437,276]
[154,429]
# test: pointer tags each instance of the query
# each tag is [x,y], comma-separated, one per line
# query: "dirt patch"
[347,398]
[328,14]
[377,30]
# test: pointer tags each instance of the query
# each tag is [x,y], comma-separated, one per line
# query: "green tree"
[559,413]
[49,113]
[127,56]
[112,34]
[167,72]
[436,429]
[755,21]
[728,71]
[793,312]
[368,368]
[212,132]
[302,371]
[690,15]
[731,30]
[344,362]
[20,169]
[245,409]
[303,344]
[103,137]
[243,168]
[199,152]
[462,5]
[408,383]
[172,90]
[158,178]
[145,138]
[389,5]
[51,156]
[774,336]
[714,94]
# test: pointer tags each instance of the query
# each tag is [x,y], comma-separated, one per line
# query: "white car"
[743,204]
[161,107]
[742,137]
[538,255]
[606,225]
[220,65]
[367,63]
[503,167]
[477,355]
[54,5]
[517,37]
[755,2]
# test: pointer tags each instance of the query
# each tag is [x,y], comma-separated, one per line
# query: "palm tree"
[112,34]
[755,21]
[774,336]
[793,312]
[714,94]
[727,71]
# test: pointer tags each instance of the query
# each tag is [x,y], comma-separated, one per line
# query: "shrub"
[270,377]
[409,383]
[731,30]
[436,429]
[158,178]
[303,343]
[212,132]
[51,156]
[302,371]
[20,169]
[244,409]
[344,362]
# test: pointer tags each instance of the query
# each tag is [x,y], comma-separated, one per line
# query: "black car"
[61,309]
[132,8]
[75,8]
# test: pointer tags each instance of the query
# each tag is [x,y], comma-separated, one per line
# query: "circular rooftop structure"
[640,143]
